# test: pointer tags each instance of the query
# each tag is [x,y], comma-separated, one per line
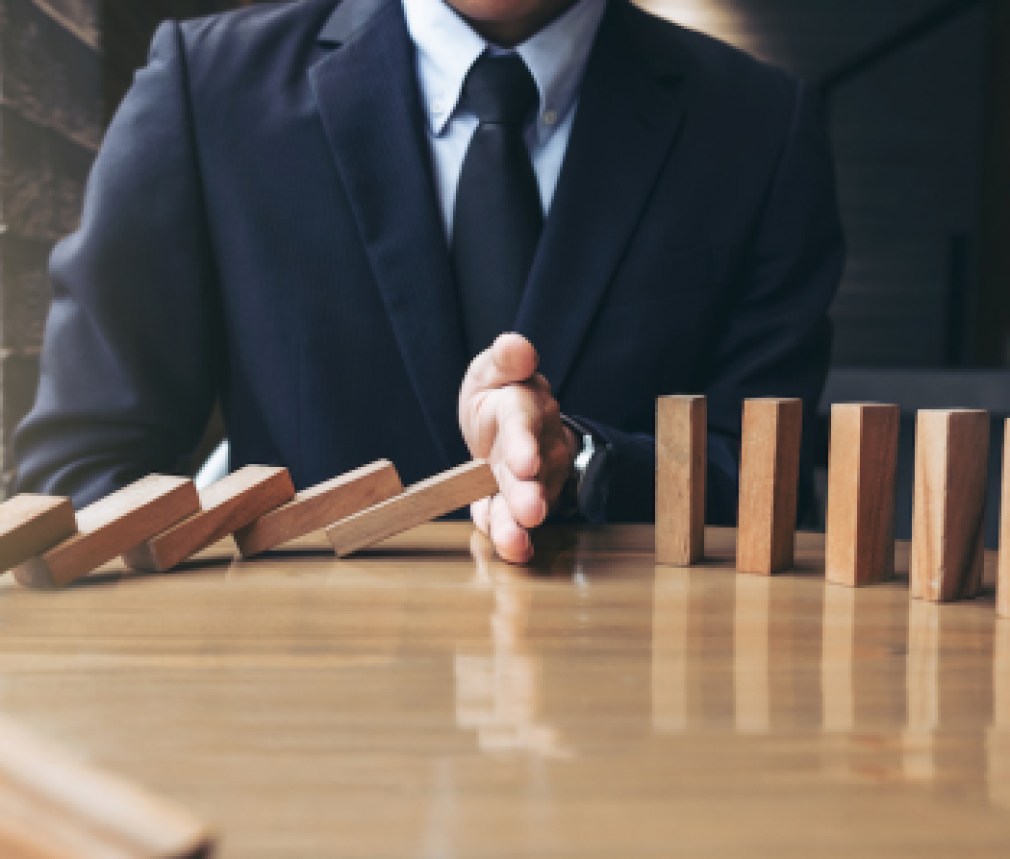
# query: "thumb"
[514,358]
[511,359]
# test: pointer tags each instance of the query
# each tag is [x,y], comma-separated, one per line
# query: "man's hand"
[509,417]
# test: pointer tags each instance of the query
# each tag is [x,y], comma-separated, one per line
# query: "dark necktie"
[497,218]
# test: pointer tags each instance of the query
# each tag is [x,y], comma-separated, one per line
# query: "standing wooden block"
[421,503]
[313,509]
[862,474]
[54,806]
[769,483]
[230,504]
[31,525]
[681,439]
[111,527]
[1003,576]
[948,503]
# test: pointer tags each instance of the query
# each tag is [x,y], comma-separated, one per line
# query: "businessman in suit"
[275,220]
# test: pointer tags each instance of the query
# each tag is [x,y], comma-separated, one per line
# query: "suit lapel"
[367,96]
[629,112]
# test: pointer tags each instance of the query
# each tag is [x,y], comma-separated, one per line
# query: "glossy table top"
[425,700]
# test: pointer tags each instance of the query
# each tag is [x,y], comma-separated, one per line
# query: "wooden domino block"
[111,527]
[52,805]
[421,503]
[31,525]
[862,474]
[228,505]
[769,483]
[681,439]
[948,504]
[313,509]
[1003,576]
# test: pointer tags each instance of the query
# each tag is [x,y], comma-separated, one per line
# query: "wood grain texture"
[228,505]
[948,504]
[315,508]
[53,806]
[421,503]
[1003,578]
[681,445]
[769,483]
[112,526]
[31,525]
[862,476]
[592,704]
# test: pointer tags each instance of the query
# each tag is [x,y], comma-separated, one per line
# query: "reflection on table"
[426,699]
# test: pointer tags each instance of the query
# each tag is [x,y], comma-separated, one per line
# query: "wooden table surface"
[426,700]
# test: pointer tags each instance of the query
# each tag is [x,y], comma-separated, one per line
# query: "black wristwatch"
[585,493]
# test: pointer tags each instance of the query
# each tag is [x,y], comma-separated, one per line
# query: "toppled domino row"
[160,521]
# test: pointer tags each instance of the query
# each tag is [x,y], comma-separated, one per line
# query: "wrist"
[584,493]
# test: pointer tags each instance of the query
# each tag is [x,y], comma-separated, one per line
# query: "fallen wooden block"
[681,441]
[421,503]
[228,505]
[111,527]
[948,504]
[1003,576]
[54,806]
[769,484]
[315,508]
[862,475]
[31,525]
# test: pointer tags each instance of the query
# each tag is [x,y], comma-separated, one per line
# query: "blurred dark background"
[919,99]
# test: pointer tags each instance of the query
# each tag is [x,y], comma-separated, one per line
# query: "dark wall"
[908,134]
[50,128]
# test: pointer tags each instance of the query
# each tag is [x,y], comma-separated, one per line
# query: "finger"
[526,500]
[518,442]
[510,359]
[538,382]
[480,512]
[535,445]
[514,358]
[510,540]
[558,458]
[506,426]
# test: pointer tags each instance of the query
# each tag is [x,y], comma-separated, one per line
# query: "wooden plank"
[54,806]
[769,483]
[1003,576]
[948,503]
[421,503]
[32,524]
[862,476]
[681,444]
[315,508]
[112,527]
[228,505]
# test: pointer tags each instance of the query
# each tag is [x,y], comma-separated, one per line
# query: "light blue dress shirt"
[447,47]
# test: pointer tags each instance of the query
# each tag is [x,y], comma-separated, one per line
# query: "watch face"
[585,455]
[594,484]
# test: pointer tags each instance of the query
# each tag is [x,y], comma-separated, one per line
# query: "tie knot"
[500,90]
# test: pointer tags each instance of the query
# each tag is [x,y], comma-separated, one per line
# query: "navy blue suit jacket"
[261,226]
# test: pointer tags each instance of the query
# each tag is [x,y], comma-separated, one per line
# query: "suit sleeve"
[131,357]
[776,340]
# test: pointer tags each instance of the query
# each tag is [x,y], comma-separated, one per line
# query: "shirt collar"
[447,47]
